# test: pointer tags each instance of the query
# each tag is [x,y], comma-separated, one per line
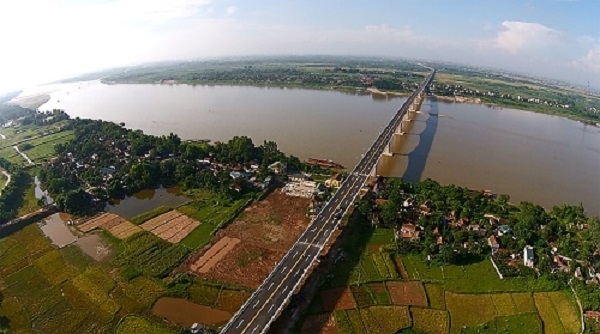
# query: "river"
[543,159]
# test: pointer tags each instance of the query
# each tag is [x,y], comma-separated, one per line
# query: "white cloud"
[517,36]
[157,11]
[232,10]
[589,62]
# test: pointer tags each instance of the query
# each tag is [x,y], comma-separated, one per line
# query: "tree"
[75,202]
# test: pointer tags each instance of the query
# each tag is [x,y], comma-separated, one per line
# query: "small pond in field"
[146,200]
[185,313]
[94,246]
[55,227]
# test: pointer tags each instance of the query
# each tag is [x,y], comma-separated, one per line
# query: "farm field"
[171,226]
[116,225]
[27,132]
[451,299]
[65,291]
[249,247]
[43,147]
[212,212]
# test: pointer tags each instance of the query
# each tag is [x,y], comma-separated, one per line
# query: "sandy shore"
[32,101]
[460,99]
[374,90]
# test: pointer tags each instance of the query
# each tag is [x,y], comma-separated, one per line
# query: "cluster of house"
[119,151]
[301,185]
[584,271]
[458,90]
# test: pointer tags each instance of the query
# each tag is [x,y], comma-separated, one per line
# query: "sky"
[46,40]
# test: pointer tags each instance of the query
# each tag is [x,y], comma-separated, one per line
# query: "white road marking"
[256,304]
[240,323]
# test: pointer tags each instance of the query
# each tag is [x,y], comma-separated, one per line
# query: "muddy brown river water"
[543,159]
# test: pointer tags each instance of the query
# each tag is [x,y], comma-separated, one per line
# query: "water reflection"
[40,193]
[186,313]
[55,227]
[146,200]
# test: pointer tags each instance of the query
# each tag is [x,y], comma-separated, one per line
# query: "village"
[446,236]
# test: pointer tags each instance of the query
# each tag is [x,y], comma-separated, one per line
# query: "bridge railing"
[383,135]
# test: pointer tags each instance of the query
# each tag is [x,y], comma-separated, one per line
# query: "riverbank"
[471,100]
[32,102]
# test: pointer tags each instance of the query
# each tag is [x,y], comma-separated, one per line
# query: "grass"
[153,256]
[379,293]
[526,90]
[73,256]
[391,318]
[30,203]
[362,296]
[204,294]
[369,321]
[520,323]
[430,321]
[212,212]
[54,268]
[342,322]
[478,277]
[138,324]
[469,310]
[141,218]
[435,296]
[64,291]
[96,286]
[356,321]
[231,300]
[43,147]
[558,312]
[26,132]
[3,180]
[11,155]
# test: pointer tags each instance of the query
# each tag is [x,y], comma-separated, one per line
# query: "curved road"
[266,303]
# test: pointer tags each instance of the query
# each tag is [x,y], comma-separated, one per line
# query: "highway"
[266,303]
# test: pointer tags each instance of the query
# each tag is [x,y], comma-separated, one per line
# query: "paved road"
[265,304]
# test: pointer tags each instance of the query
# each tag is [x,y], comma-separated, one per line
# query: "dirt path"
[7,181]
[23,155]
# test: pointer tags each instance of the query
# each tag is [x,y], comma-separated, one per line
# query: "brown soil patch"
[337,299]
[374,248]
[172,226]
[246,265]
[319,324]
[407,293]
[214,255]
[267,229]
[400,267]
[116,225]
[376,287]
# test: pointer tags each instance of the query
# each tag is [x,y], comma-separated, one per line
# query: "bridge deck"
[266,303]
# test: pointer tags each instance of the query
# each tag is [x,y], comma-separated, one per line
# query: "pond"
[185,313]
[146,200]
[55,227]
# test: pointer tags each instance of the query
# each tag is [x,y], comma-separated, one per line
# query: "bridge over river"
[267,302]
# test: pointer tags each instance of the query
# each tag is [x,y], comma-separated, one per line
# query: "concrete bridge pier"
[400,129]
[374,170]
[387,150]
